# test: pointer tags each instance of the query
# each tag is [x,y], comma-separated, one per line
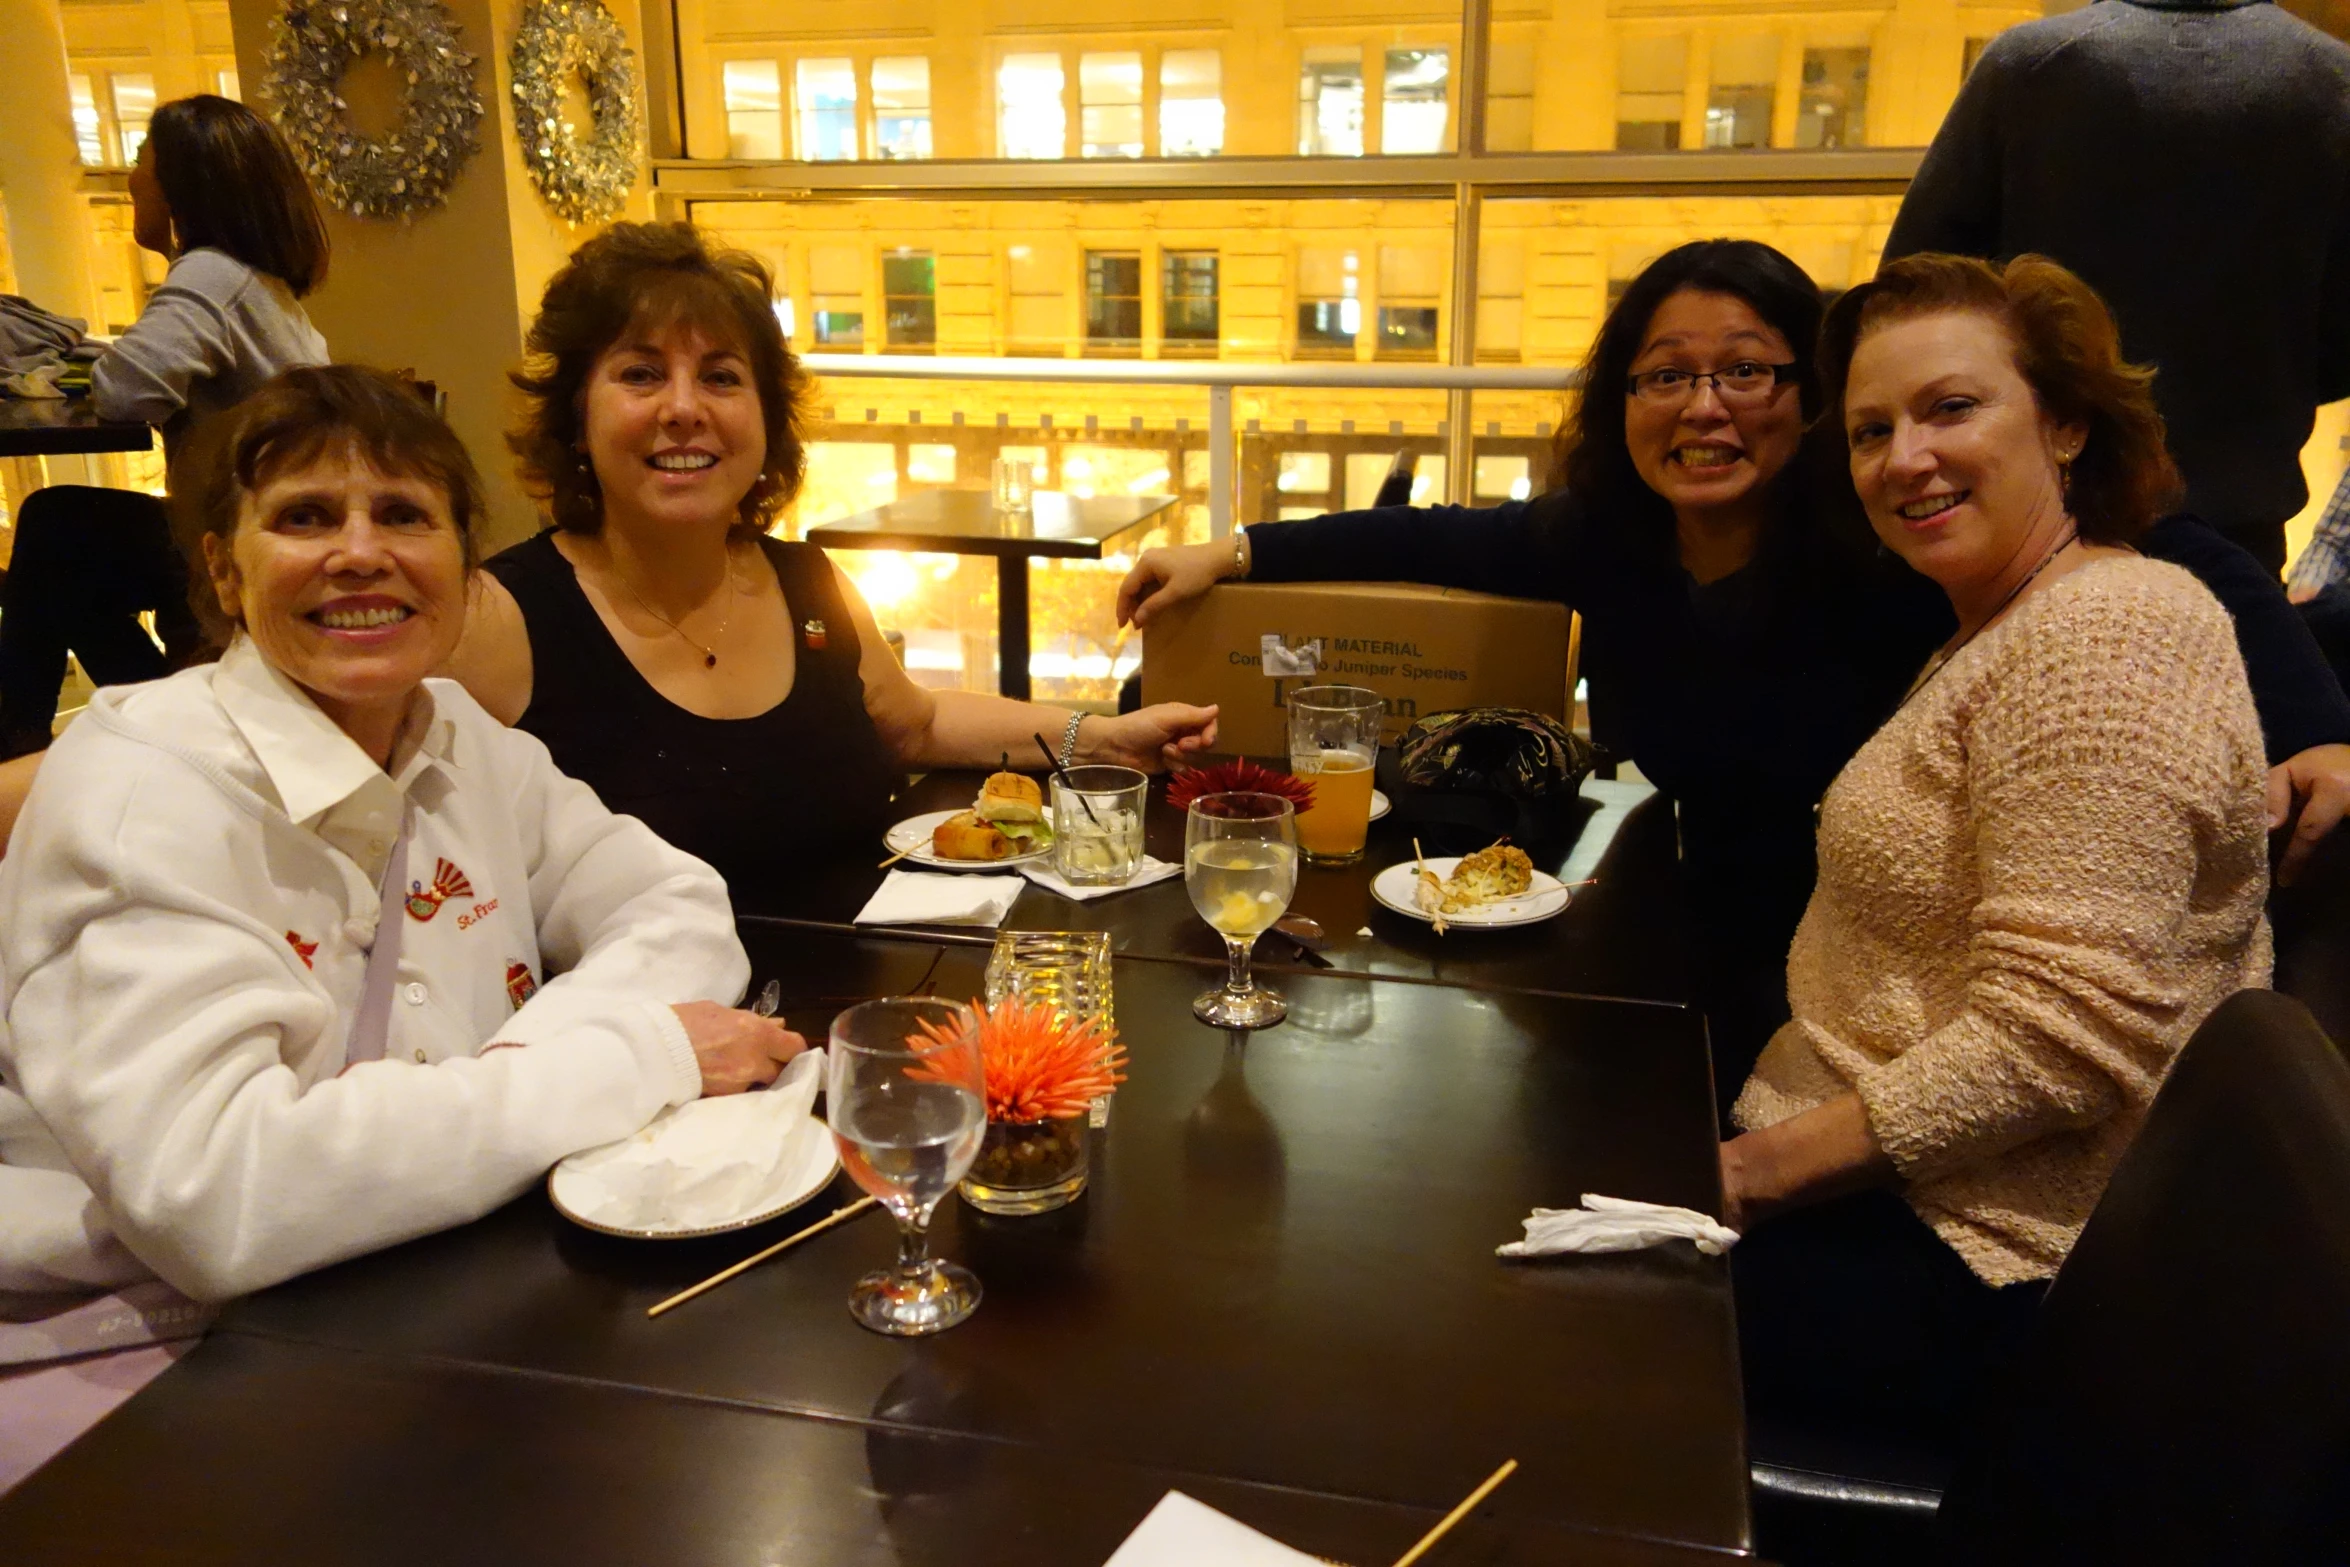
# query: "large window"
[110,114]
[1834,108]
[1652,83]
[1745,90]
[1413,107]
[88,134]
[901,107]
[1032,120]
[827,93]
[836,316]
[1113,301]
[1190,322]
[909,301]
[1329,302]
[1191,103]
[754,108]
[1109,114]
[1330,103]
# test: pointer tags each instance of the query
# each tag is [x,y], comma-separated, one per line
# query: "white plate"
[1546,899]
[798,1178]
[1380,805]
[911,838]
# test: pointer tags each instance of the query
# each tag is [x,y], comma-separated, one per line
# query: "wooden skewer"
[1468,1505]
[748,1263]
[893,859]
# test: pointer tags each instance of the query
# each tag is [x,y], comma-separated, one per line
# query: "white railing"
[1219,378]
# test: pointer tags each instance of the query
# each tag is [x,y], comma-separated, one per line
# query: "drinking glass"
[1015,486]
[1334,741]
[908,1110]
[1240,867]
[1097,825]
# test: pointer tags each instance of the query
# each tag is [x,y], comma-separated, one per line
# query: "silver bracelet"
[1069,738]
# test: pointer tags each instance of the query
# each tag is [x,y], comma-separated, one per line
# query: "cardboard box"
[1426,650]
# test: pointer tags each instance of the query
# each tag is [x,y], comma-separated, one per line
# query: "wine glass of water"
[1240,866]
[904,1093]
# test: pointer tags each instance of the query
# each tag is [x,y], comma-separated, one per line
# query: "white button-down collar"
[322,778]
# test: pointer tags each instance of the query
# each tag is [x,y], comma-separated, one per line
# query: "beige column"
[449,294]
[40,170]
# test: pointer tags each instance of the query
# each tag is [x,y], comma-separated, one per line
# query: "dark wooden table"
[1620,938]
[965,522]
[1279,1293]
[43,427]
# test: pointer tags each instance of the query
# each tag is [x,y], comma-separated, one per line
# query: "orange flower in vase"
[1044,1070]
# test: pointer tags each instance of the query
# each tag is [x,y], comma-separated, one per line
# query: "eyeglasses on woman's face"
[1745,381]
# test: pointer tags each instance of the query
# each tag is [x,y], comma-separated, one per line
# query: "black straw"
[1054,762]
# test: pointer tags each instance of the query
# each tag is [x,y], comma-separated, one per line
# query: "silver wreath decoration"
[585,179]
[313,42]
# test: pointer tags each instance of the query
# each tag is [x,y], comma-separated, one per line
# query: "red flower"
[1240,777]
[1040,1066]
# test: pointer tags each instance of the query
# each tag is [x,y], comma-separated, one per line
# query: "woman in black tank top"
[641,637]
[738,792]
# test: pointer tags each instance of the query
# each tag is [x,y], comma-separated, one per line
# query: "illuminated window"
[1189,319]
[1745,88]
[1501,296]
[754,108]
[1509,96]
[786,321]
[1411,280]
[1113,301]
[909,299]
[134,106]
[1501,478]
[1302,473]
[87,140]
[1834,108]
[1039,271]
[1651,82]
[1109,99]
[1191,103]
[1330,103]
[836,307]
[1329,303]
[930,463]
[828,110]
[1031,119]
[901,107]
[224,82]
[1412,100]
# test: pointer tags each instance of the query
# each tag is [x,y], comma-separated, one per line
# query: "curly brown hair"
[2068,351]
[652,275]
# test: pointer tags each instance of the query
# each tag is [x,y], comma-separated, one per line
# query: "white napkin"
[923,898]
[701,1164]
[1617,1224]
[1183,1533]
[1148,871]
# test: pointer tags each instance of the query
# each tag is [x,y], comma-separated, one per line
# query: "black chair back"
[2186,1393]
[2311,919]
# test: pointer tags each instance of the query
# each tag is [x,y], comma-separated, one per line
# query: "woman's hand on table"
[1822,1153]
[2319,779]
[1169,734]
[735,1049]
[1164,578]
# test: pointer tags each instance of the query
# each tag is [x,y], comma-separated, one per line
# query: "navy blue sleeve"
[1524,549]
[2301,703]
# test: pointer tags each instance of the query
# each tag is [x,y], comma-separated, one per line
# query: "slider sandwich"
[1006,820]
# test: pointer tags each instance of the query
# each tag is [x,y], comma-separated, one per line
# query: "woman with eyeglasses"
[1742,634]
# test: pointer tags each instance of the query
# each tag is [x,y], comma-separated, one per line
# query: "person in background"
[2035,880]
[2320,580]
[2190,160]
[728,688]
[217,191]
[1740,642]
[220,876]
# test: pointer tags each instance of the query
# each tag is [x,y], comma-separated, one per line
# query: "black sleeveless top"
[758,798]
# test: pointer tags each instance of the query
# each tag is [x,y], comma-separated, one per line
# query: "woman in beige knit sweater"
[2034,882]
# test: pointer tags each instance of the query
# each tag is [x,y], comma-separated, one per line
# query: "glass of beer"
[1334,742]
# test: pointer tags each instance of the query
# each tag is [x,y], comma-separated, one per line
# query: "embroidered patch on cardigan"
[520,987]
[447,882]
[302,949]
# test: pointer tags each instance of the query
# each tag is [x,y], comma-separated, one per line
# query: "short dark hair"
[652,273]
[294,417]
[1593,457]
[232,185]
[2068,351]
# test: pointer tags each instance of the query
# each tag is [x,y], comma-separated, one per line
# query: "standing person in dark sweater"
[2191,161]
[1742,636]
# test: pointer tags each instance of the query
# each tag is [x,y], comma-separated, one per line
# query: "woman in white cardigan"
[302,954]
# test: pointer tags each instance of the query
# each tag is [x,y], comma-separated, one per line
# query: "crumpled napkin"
[701,1164]
[924,898]
[1148,871]
[1617,1224]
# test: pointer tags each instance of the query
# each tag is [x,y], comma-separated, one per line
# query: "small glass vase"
[1027,1167]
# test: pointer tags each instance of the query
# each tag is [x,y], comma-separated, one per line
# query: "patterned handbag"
[1463,779]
